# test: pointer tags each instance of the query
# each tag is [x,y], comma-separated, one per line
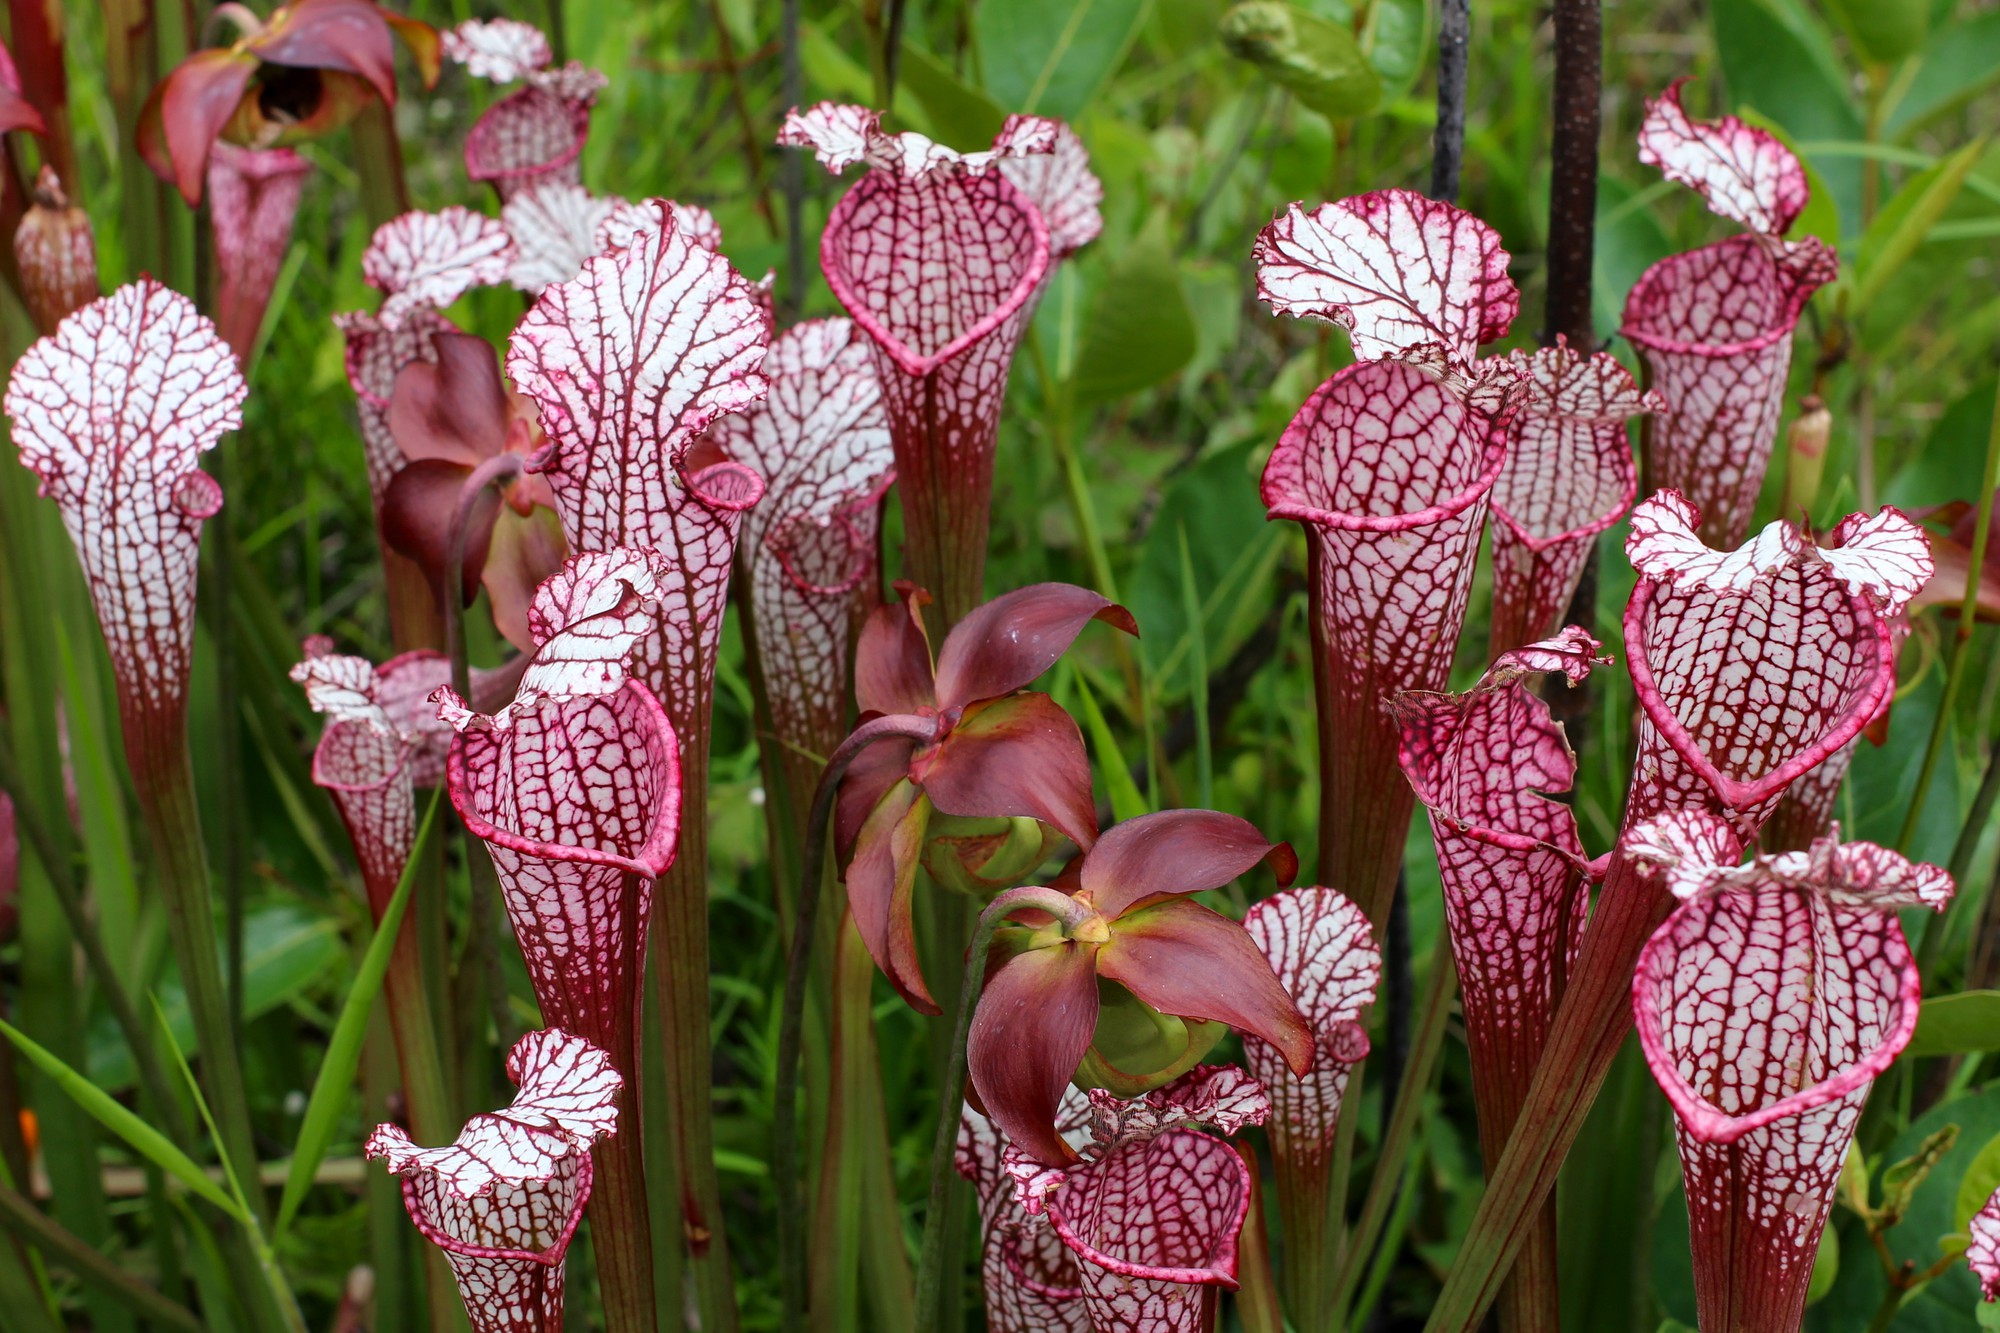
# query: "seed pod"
[56,253]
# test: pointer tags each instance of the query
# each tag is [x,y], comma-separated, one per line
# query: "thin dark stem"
[1448,147]
[892,51]
[792,174]
[1579,42]
[785,1163]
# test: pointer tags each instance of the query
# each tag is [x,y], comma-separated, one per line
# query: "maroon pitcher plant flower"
[575,788]
[1751,667]
[253,194]
[534,135]
[1766,1004]
[1058,981]
[1569,475]
[1387,465]
[503,1200]
[965,741]
[938,256]
[454,421]
[307,70]
[629,362]
[1714,325]
[821,441]
[16,111]
[1516,888]
[1134,1236]
[1320,945]
[56,252]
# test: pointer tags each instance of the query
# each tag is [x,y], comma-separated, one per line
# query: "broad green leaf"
[141,1137]
[1778,58]
[1960,59]
[1905,221]
[961,117]
[1854,1191]
[1884,31]
[1126,802]
[338,1067]
[1316,59]
[1629,241]
[1976,1186]
[1952,455]
[1050,57]
[1139,330]
[1957,1025]
[1397,38]
[1821,215]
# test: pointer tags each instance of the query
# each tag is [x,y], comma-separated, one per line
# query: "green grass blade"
[339,1069]
[141,1137]
[1126,802]
[1204,758]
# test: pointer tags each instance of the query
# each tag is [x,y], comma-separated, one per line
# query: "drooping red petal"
[417,514]
[1320,946]
[504,1200]
[1743,173]
[938,259]
[881,879]
[348,35]
[892,658]
[1766,1004]
[113,412]
[1984,1254]
[1392,268]
[1018,756]
[500,50]
[529,138]
[1186,960]
[1714,326]
[425,261]
[1754,666]
[1569,476]
[376,354]
[1516,886]
[525,550]
[1031,1279]
[185,114]
[1005,644]
[1389,473]
[869,777]
[1173,851]
[16,111]
[821,442]
[252,195]
[1154,1227]
[1060,182]
[452,408]
[1033,1024]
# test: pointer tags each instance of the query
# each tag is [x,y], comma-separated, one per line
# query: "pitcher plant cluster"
[1150,1044]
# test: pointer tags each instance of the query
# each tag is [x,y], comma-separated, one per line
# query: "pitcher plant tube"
[1766,1004]
[533,137]
[503,1200]
[1751,667]
[253,194]
[1387,466]
[1714,325]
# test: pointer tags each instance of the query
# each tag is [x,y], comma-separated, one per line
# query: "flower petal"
[252,197]
[526,550]
[892,658]
[1005,644]
[194,102]
[417,517]
[881,882]
[347,35]
[453,407]
[1028,1035]
[1186,960]
[1020,756]
[1173,851]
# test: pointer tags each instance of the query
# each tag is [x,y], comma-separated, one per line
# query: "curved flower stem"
[495,471]
[1982,532]
[951,1087]
[791,1019]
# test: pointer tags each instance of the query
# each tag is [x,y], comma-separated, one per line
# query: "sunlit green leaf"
[1049,57]
[1139,330]
[1318,60]
[1957,1025]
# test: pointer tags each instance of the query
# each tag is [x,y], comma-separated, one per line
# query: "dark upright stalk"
[1448,147]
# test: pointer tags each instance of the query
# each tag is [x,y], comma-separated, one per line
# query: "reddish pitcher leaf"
[376,354]
[1059,182]
[252,196]
[559,226]
[113,412]
[821,441]
[938,257]
[1742,173]
[504,1200]
[1766,1005]
[534,136]
[1516,885]
[1320,946]
[1031,1279]
[1394,269]
[1569,475]
[1389,472]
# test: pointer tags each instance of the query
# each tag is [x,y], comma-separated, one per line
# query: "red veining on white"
[252,196]
[426,261]
[1741,172]
[500,50]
